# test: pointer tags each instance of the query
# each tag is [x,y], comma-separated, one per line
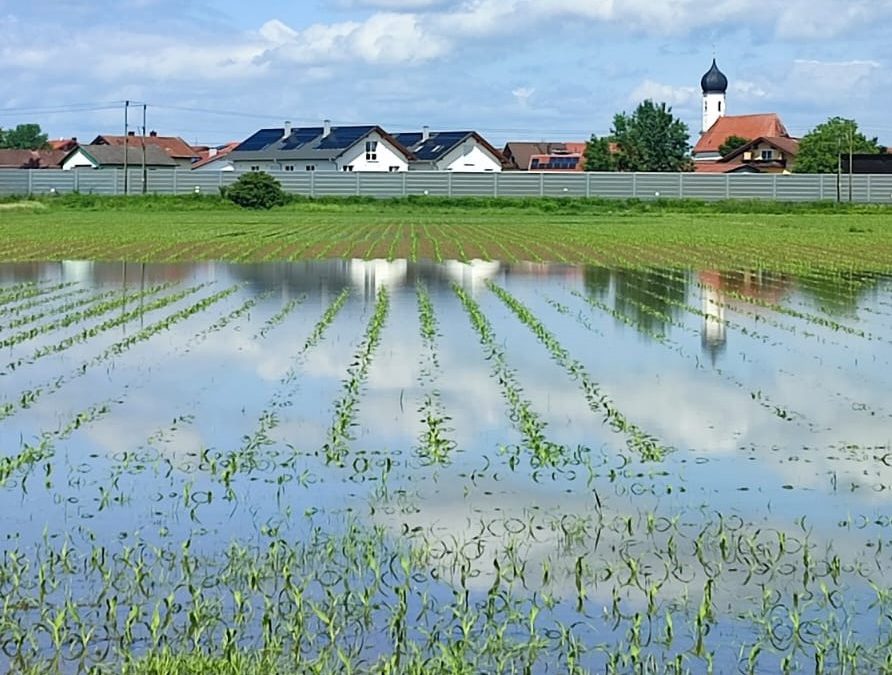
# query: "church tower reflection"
[714,332]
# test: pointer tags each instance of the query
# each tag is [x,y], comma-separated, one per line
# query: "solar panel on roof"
[301,137]
[260,140]
[342,137]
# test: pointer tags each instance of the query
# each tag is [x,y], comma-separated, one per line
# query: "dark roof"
[30,159]
[174,146]
[714,81]
[112,155]
[441,143]
[309,142]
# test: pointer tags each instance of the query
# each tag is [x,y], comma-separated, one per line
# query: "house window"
[393,169]
[534,164]
[255,168]
[348,168]
[767,155]
[371,151]
[720,106]
[288,167]
[310,167]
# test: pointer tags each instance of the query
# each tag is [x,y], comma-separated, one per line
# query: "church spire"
[715,86]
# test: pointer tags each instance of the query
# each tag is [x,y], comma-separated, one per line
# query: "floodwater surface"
[384,464]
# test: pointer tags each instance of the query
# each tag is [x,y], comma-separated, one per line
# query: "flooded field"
[406,467]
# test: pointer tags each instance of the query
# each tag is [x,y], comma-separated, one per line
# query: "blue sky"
[512,69]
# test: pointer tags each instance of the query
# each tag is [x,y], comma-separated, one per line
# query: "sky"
[217,71]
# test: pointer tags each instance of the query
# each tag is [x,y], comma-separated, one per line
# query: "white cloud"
[830,83]
[664,93]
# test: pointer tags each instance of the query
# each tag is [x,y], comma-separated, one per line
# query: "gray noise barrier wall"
[861,188]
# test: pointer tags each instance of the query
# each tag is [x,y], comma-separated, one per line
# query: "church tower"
[714,85]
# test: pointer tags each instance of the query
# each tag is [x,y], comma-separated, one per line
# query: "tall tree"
[651,139]
[598,154]
[24,137]
[820,148]
[732,143]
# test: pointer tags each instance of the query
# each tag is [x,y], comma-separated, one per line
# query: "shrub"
[256,190]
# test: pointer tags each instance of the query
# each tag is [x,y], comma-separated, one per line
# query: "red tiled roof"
[221,152]
[31,159]
[715,167]
[745,126]
[547,159]
[65,144]
[174,146]
[789,146]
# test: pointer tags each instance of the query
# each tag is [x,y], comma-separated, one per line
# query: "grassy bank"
[689,233]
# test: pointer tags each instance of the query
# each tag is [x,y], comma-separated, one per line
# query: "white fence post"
[405,178]
[495,185]
[312,183]
[634,185]
[449,183]
[30,181]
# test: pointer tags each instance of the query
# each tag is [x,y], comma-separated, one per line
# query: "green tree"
[598,154]
[732,143]
[651,139]
[820,148]
[23,137]
[256,190]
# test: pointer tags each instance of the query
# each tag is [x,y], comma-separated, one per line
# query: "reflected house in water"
[472,275]
[714,333]
[372,275]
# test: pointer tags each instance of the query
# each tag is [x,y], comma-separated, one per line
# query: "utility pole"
[838,170]
[126,138]
[145,175]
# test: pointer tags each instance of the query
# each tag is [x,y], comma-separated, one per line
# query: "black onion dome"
[714,82]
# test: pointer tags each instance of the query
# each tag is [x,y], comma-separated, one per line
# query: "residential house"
[217,158]
[325,148]
[761,155]
[112,157]
[30,159]
[544,156]
[174,147]
[464,151]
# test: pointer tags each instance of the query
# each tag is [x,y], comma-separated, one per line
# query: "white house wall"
[223,164]
[78,159]
[469,157]
[388,156]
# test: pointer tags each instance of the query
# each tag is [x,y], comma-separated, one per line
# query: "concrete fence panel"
[612,185]
[649,186]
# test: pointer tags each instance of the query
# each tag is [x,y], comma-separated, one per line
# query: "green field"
[731,235]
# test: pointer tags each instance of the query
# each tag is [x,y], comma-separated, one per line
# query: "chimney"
[153,133]
[288,129]
[212,152]
[326,128]
[425,133]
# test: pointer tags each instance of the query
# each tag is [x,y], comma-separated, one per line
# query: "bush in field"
[256,190]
